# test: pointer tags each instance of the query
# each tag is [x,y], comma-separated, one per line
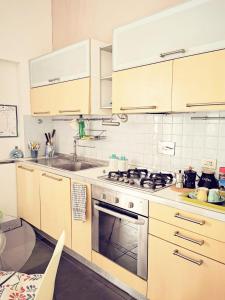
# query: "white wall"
[9,94]
[75,20]
[25,32]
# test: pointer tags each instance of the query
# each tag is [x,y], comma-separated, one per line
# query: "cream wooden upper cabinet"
[66,98]
[62,65]
[70,81]
[194,27]
[143,89]
[198,82]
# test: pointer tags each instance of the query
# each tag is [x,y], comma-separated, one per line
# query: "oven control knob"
[130,205]
[116,200]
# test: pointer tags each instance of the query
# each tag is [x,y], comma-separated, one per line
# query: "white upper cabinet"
[194,27]
[69,63]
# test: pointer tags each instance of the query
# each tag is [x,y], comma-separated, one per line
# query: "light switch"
[167,148]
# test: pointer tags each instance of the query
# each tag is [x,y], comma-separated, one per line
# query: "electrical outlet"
[209,164]
[167,148]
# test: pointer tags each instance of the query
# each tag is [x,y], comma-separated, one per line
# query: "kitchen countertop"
[165,196]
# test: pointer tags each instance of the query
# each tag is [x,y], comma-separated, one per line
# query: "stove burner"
[153,183]
[141,178]
[168,178]
[117,174]
[137,173]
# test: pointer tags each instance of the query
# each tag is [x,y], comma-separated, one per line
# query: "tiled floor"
[74,280]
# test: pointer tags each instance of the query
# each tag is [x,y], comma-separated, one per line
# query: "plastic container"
[122,163]
[16,153]
[113,162]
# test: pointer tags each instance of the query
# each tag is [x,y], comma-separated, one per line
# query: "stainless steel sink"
[66,164]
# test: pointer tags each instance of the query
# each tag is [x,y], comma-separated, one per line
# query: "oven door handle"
[118,215]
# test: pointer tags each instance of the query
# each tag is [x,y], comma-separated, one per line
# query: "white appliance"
[8,197]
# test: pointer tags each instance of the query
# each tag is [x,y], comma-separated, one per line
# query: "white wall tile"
[138,139]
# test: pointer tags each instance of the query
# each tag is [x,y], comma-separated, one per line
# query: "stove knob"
[130,205]
[131,182]
[116,200]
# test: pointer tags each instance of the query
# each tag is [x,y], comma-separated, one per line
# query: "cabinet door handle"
[172,52]
[204,104]
[41,112]
[26,169]
[199,222]
[51,177]
[137,107]
[54,79]
[181,236]
[69,111]
[194,261]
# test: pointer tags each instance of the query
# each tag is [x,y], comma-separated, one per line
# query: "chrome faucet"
[74,148]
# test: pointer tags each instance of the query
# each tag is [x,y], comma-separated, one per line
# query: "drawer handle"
[137,107]
[41,112]
[51,177]
[26,169]
[194,261]
[172,52]
[204,104]
[179,216]
[181,236]
[69,111]
[54,79]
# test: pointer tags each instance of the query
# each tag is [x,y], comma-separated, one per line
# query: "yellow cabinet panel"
[28,194]
[55,205]
[179,274]
[198,82]
[81,231]
[189,240]
[143,89]
[200,224]
[42,101]
[131,280]
[67,98]
[73,97]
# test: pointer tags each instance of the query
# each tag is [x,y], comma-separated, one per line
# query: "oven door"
[121,236]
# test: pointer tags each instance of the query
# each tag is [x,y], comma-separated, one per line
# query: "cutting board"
[220,208]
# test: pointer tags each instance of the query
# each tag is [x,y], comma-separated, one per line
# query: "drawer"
[176,273]
[187,239]
[192,222]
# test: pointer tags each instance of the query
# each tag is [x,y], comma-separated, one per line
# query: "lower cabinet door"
[28,194]
[179,274]
[55,205]
[81,231]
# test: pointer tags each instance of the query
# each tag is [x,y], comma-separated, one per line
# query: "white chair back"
[46,288]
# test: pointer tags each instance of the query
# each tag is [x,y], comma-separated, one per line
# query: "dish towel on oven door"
[79,201]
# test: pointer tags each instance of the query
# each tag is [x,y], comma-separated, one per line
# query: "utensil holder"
[34,153]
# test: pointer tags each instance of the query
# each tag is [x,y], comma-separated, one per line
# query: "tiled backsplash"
[138,140]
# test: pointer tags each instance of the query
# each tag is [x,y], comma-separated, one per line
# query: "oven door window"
[118,239]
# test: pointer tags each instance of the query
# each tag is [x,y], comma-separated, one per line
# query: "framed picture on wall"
[8,121]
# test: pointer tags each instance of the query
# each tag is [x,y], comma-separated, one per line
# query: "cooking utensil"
[53,133]
[189,178]
[47,140]
[208,180]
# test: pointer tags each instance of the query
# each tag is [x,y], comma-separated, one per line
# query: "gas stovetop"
[141,179]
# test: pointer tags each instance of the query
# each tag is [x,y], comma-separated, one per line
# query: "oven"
[120,229]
